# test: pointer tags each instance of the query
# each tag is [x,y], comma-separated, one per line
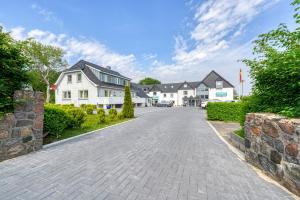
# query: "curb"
[82,135]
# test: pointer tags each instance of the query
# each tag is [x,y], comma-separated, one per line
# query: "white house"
[87,83]
[213,86]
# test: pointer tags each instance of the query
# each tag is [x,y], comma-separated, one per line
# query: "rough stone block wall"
[272,144]
[21,132]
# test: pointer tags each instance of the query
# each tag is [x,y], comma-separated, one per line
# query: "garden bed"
[90,124]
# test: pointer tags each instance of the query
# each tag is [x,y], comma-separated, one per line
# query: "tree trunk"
[48,93]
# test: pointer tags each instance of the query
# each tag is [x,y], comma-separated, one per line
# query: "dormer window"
[185,85]
[219,84]
[165,86]
[172,86]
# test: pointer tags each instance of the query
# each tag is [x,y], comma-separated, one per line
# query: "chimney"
[108,67]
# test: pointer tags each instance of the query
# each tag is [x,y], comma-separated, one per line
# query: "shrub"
[224,111]
[89,110]
[101,115]
[112,114]
[77,117]
[127,110]
[55,120]
[83,106]
[120,116]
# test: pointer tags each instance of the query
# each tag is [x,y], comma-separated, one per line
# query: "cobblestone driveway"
[168,154]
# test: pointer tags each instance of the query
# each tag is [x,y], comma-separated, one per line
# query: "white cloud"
[47,14]
[84,48]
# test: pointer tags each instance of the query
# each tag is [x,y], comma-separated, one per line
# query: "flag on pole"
[53,87]
[241,75]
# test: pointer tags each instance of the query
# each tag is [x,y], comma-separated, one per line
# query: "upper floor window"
[185,85]
[83,94]
[219,84]
[106,93]
[70,78]
[165,95]
[78,78]
[185,92]
[171,95]
[66,94]
[154,93]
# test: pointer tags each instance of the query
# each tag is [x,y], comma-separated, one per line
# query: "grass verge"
[90,124]
[240,133]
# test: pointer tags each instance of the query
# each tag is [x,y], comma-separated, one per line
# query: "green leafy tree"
[149,81]
[13,65]
[127,110]
[45,59]
[276,70]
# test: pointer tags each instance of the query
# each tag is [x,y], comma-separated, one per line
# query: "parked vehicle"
[204,103]
[164,104]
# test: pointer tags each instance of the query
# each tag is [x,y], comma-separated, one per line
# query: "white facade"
[83,91]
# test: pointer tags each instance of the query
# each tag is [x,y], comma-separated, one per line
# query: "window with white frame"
[69,78]
[66,94]
[185,85]
[219,84]
[106,93]
[171,95]
[79,78]
[185,92]
[165,95]
[154,93]
[83,94]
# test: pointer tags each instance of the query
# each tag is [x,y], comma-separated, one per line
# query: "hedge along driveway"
[224,111]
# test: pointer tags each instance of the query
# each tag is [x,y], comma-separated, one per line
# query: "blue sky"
[172,40]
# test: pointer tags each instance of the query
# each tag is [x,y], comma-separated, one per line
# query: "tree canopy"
[45,60]
[276,70]
[13,67]
[149,81]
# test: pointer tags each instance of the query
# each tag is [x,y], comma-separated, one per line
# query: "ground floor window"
[66,94]
[83,94]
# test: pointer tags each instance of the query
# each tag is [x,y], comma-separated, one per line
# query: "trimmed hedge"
[112,114]
[225,111]
[101,115]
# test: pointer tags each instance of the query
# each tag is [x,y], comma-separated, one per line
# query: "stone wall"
[272,144]
[21,132]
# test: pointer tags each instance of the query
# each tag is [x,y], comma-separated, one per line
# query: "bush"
[224,111]
[127,110]
[112,114]
[89,110]
[55,120]
[101,115]
[120,116]
[77,117]
[83,106]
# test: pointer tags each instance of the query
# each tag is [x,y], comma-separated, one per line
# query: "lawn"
[90,124]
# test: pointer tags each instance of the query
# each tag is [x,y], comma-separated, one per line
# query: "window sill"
[66,99]
[83,99]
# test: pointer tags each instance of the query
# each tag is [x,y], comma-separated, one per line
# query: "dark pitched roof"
[212,77]
[173,87]
[139,90]
[82,65]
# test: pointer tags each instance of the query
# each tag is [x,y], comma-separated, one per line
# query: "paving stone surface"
[168,154]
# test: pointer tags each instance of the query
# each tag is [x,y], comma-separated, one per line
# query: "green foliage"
[240,133]
[112,114]
[224,111]
[13,67]
[43,60]
[101,115]
[149,81]
[55,120]
[276,70]
[38,84]
[89,110]
[120,116]
[77,116]
[127,109]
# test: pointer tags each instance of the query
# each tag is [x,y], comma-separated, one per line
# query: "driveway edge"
[82,135]
[257,171]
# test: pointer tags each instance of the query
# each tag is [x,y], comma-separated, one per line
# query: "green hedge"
[55,120]
[225,111]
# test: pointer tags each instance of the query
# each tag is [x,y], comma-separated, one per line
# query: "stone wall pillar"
[272,144]
[21,132]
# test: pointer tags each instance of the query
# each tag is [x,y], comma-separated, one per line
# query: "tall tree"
[44,60]
[13,65]
[149,81]
[127,110]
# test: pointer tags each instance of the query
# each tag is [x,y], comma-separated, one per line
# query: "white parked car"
[204,103]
